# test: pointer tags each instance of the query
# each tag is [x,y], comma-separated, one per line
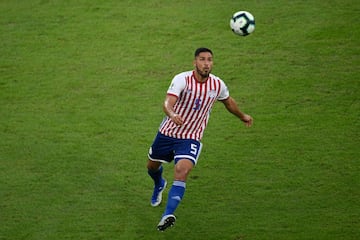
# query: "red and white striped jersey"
[194,104]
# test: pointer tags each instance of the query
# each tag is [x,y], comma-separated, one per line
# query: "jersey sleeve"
[177,85]
[224,91]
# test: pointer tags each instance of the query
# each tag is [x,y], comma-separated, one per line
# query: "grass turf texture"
[81,88]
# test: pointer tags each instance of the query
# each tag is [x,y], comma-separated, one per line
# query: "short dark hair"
[202,49]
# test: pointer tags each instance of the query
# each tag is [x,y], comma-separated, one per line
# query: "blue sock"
[175,196]
[156,175]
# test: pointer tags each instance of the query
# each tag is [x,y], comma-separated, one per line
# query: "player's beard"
[203,73]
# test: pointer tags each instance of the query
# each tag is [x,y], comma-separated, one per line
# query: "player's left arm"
[232,107]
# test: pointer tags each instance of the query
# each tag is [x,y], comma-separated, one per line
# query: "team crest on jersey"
[212,93]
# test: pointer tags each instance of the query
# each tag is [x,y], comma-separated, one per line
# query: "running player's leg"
[186,155]
[176,193]
[177,190]
[155,170]
[159,152]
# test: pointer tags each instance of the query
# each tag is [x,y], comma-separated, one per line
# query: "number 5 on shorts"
[194,149]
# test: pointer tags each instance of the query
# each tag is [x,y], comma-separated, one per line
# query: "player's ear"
[194,62]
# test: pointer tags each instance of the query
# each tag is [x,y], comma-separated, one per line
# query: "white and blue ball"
[242,23]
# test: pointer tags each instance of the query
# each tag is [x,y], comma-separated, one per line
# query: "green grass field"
[81,89]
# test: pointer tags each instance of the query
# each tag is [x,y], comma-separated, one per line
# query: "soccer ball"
[242,23]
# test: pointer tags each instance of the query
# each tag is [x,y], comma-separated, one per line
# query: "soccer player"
[187,106]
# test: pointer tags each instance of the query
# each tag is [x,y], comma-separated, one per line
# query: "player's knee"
[182,169]
[152,165]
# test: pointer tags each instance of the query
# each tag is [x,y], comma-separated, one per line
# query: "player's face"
[203,64]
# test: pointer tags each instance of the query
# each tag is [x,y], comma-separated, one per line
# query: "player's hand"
[248,120]
[176,118]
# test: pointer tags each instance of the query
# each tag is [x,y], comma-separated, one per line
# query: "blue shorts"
[165,149]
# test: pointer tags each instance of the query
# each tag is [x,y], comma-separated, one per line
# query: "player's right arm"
[168,108]
[176,87]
